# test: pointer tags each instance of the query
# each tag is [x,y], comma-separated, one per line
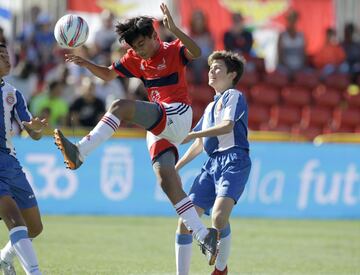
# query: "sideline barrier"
[337,138]
[288,180]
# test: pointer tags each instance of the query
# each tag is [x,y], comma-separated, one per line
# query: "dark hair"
[233,62]
[3,45]
[53,84]
[135,27]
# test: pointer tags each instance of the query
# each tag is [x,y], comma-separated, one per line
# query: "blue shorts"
[13,182]
[223,175]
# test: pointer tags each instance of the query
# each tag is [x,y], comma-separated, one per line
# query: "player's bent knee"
[123,109]
[35,231]
[219,221]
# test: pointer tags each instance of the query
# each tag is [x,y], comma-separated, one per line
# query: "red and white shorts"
[171,130]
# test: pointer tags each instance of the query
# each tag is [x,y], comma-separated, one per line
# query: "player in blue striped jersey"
[18,206]
[222,133]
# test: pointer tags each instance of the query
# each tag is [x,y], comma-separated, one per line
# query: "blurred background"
[300,211]
[303,59]
[301,82]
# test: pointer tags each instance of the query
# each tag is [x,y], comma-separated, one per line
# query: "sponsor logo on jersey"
[162,66]
[155,95]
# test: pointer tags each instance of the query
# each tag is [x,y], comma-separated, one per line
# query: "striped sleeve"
[232,105]
[122,67]
[21,110]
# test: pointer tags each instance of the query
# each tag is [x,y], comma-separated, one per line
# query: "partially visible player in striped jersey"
[167,117]
[18,205]
[222,133]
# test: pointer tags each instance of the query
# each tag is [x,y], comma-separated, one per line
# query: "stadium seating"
[265,94]
[352,100]
[337,81]
[296,96]
[283,117]
[301,105]
[345,119]
[258,114]
[277,79]
[249,79]
[201,94]
[259,64]
[306,80]
[315,116]
[327,97]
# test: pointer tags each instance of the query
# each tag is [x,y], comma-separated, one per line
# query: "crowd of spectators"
[69,96]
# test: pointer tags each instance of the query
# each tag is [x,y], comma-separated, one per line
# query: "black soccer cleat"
[69,150]
[210,245]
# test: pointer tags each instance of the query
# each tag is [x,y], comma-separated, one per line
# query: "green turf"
[128,245]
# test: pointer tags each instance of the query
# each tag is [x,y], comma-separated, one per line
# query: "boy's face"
[4,62]
[219,78]
[146,46]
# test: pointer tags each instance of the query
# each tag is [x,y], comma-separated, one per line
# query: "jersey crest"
[10,99]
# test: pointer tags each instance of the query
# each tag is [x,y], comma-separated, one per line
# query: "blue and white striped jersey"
[12,107]
[230,105]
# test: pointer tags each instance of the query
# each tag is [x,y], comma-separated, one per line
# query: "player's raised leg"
[75,154]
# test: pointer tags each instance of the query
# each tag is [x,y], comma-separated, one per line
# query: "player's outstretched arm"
[193,51]
[35,127]
[194,150]
[222,128]
[103,72]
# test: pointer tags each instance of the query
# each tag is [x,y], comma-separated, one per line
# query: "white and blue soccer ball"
[71,31]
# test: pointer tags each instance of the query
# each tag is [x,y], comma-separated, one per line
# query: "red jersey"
[163,74]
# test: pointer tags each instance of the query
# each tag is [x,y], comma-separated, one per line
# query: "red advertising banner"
[315,16]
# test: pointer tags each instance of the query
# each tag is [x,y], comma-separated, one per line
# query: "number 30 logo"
[51,174]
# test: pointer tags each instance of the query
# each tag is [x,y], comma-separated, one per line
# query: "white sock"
[191,219]
[24,250]
[224,248]
[183,250]
[102,132]
[8,253]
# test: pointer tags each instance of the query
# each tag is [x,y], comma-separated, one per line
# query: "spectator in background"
[330,56]
[76,72]
[45,43]
[201,35]
[105,36]
[25,78]
[87,109]
[26,52]
[51,101]
[352,51]
[237,38]
[30,26]
[108,91]
[61,74]
[291,47]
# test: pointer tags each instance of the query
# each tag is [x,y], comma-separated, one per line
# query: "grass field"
[80,245]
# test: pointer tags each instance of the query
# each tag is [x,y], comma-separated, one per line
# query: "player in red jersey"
[167,117]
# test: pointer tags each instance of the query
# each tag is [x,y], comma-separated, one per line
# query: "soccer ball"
[71,31]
